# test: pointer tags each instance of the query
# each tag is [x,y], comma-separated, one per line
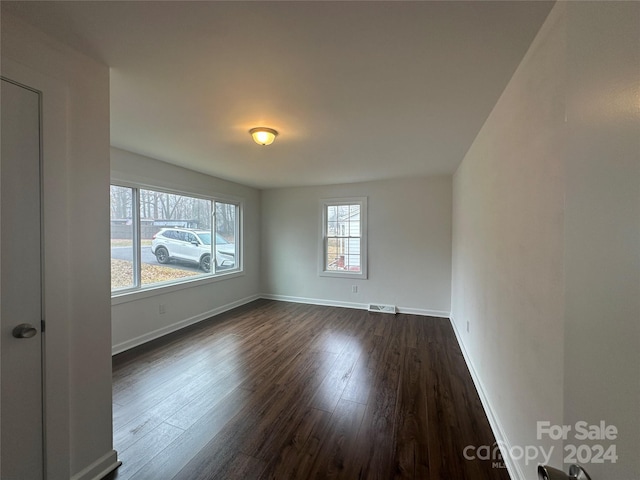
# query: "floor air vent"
[373,307]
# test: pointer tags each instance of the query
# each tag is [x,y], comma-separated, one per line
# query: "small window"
[344,245]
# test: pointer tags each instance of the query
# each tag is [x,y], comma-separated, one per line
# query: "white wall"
[409,238]
[547,236]
[508,246]
[602,226]
[76,283]
[136,317]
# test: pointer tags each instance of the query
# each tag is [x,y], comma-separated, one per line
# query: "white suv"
[192,246]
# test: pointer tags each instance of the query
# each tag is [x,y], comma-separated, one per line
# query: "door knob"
[24,330]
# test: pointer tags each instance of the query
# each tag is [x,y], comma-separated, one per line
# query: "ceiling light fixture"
[263,135]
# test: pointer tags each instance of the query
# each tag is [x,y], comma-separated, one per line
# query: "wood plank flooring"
[276,390]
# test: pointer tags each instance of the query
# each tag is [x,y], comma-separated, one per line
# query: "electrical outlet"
[467,326]
[162,308]
[354,288]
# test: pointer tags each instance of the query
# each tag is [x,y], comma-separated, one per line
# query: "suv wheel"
[205,263]
[162,255]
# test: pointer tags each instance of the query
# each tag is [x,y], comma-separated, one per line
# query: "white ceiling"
[358,90]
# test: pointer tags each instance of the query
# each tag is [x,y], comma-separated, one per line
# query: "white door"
[21,447]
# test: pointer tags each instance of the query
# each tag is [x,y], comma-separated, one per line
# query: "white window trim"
[123,295]
[324,203]
[130,295]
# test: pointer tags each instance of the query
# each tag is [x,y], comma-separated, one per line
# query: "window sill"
[353,275]
[126,296]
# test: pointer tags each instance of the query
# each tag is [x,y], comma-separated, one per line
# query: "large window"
[160,237]
[344,246]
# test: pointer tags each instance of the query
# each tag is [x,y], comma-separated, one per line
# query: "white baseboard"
[515,472]
[314,301]
[424,312]
[100,468]
[357,306]
[134,342]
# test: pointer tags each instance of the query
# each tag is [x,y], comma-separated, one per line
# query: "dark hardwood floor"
[277,390]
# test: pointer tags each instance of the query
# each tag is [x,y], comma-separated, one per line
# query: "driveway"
[126,253]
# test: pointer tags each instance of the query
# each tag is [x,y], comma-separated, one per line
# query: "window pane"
[352,263]
[226,236]
[170,225]
[332,213]
[354,246]
[343,213]
[121,238]
[335,255]
[354,213]
[354,228]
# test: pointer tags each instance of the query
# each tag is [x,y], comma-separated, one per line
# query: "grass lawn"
[122,273]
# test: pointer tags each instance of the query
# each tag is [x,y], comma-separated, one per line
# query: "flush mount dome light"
[263,135]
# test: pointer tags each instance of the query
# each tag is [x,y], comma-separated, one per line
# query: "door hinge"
[42,324]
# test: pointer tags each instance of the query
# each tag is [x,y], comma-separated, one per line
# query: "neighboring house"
[344,228]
